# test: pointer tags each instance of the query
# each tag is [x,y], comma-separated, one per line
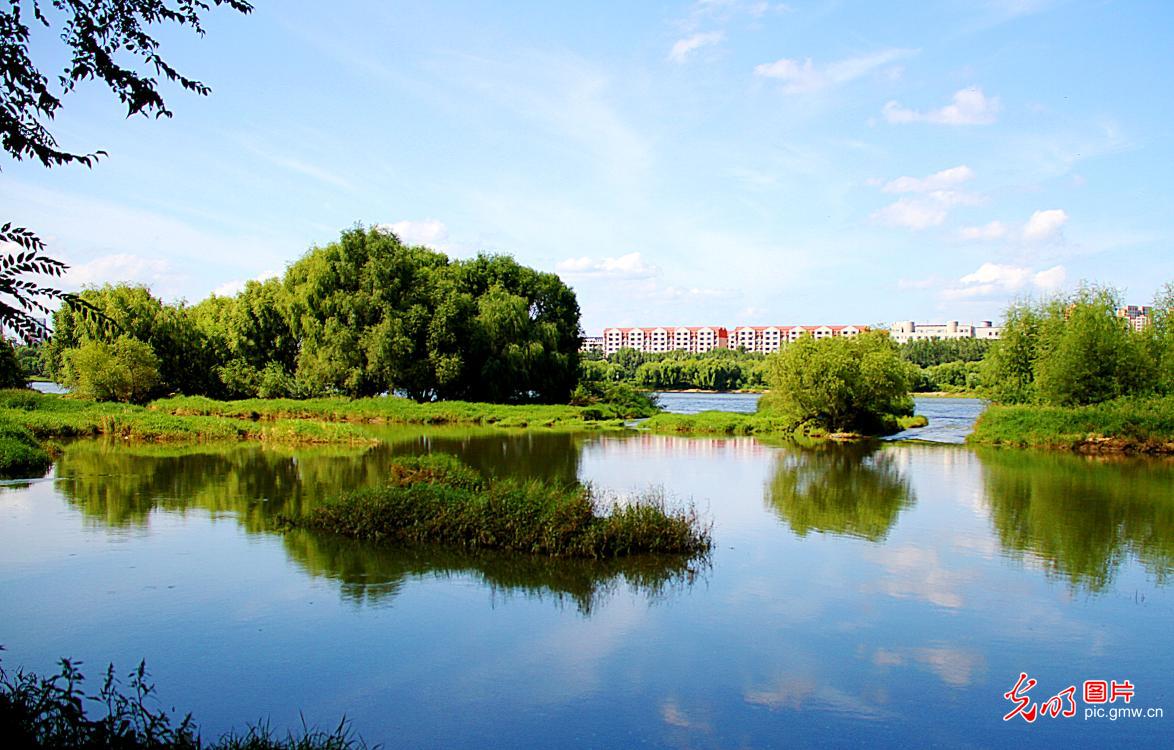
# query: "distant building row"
[700,339]
[904,331]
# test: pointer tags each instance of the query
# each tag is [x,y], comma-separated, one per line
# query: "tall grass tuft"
[435,499]
[51,713]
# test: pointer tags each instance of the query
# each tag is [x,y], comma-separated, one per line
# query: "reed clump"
[436,499]
[50,713]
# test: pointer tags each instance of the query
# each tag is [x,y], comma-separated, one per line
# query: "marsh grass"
[52,416]
[732,423]
[436,499]
[393,410]
[1131,424]
[52,713]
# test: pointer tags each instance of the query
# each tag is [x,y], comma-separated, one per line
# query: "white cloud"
[934,196]
[992,279]
[236,286]
[684,47]
[993,231]
[428,232]
[806,77]
[937,181]
[969,107]
[911,214]
[124,268]
[630,266]
[1044,226]
[1052,278]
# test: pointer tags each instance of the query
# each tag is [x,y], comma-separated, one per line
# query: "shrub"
[12,374]
[126,370]
[839,384]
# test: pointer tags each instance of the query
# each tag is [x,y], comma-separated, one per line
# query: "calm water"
[864,596]
[692,403]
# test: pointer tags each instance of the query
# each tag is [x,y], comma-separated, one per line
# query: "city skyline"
[716,160]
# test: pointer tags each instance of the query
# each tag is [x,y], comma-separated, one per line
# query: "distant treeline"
[719,369]
[361,316]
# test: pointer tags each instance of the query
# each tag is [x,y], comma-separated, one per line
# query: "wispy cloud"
[1044,227]
[931,196]
[969,107]
[630,266]
[805,77]
[943,180]
[995,230]
[428,232]
[911,214]
[683,48]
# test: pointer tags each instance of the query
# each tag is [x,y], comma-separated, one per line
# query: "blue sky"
[719,162]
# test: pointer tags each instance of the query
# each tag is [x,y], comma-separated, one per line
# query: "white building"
[768,339]
[591,344]
[906,330]
[694,339]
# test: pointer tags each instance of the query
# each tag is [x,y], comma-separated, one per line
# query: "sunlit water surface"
[877,596]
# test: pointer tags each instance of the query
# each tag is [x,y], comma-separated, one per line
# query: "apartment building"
[1138,315]
[768,339]
[591,344]
[906,330]
[694,339]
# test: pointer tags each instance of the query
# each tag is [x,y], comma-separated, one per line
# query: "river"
[881,595]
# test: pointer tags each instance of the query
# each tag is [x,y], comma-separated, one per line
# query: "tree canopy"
[839,383]
[361,316]
[1073,350]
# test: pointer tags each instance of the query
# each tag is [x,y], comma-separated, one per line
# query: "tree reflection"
[369,572]
[119,485]
[849,490]
[1082,516]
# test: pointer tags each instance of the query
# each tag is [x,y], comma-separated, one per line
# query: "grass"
[20,453]
[1126,425]
[732,423]
[436,499]
[393,410]
[48,416]
[50,713]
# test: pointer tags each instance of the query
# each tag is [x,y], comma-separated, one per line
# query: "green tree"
[839,384]
[12,374]
[126,370]
[1008,371]
[1086,353]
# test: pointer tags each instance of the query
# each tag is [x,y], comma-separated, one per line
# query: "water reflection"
[848,490]
[115,485]
[374,573]
[1081,516]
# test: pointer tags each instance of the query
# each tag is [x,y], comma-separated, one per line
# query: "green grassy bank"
[1125,425]
[731,423]
[48,416]
[392,410]
[436,499]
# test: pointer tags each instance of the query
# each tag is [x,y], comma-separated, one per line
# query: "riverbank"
[393,410]
[1127,425]
[732,423]
[29,420]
